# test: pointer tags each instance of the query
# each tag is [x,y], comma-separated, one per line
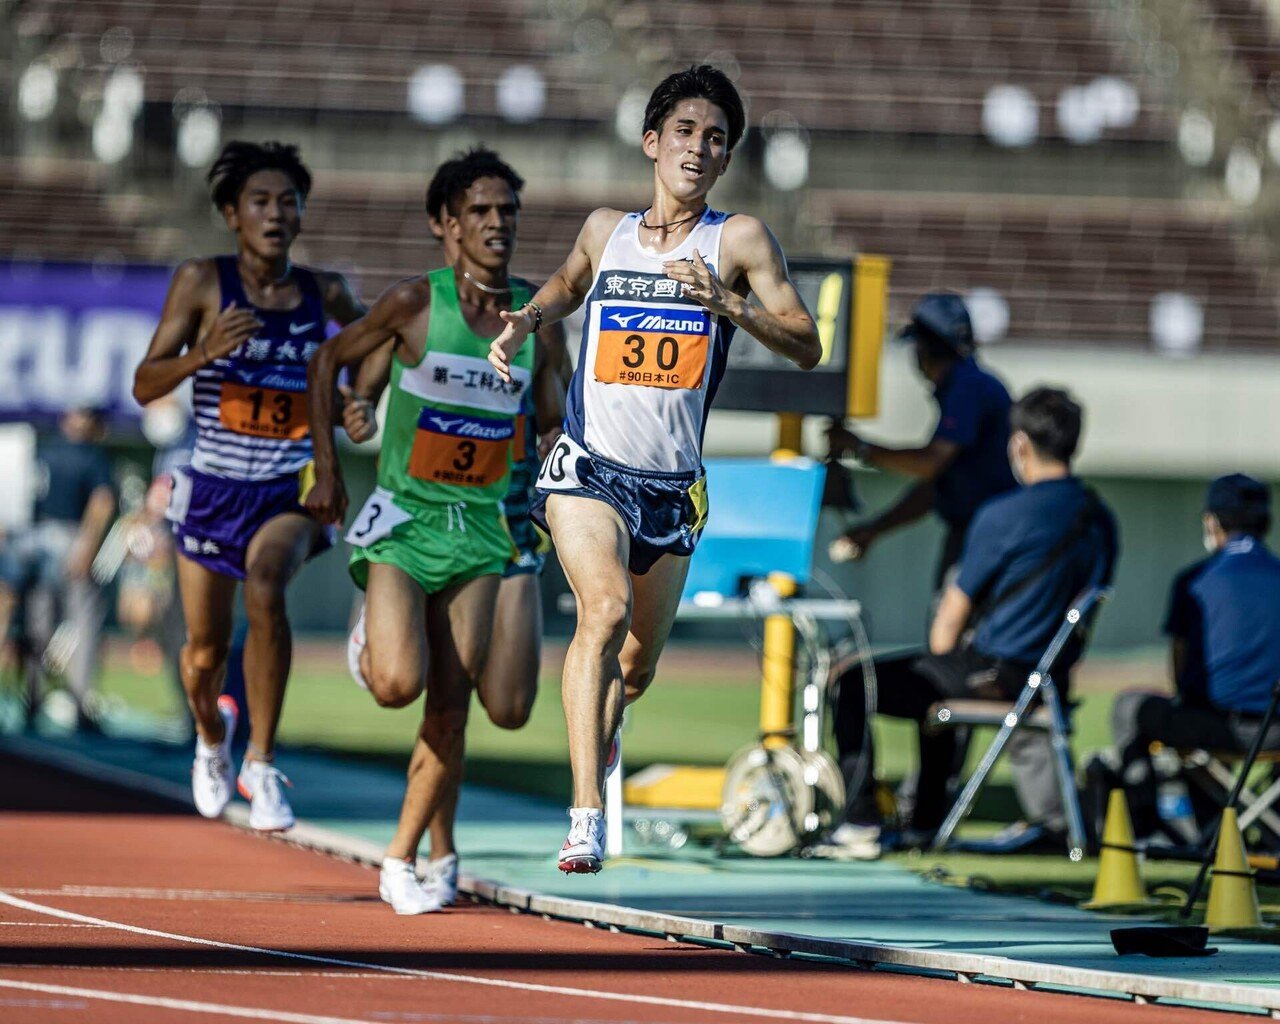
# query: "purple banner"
[73,333]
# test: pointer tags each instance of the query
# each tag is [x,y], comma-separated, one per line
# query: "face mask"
[1210,544]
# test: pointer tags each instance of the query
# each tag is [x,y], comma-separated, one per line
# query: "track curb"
[962,967]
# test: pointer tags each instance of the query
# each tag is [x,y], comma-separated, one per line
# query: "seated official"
[1028,554]
[1224,628]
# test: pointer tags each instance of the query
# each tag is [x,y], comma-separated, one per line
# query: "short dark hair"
[456,175]
[238,161]
[1255,524]
[702,82]
[1051,419]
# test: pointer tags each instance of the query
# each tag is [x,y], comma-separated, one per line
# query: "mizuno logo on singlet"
[676,321]
[467,426]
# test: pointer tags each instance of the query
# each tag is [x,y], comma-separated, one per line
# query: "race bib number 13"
[655,347]
[268,402]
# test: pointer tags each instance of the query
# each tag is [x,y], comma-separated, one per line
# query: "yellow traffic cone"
[1118,883]
[1233,900]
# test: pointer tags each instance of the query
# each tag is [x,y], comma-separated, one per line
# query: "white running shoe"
[356,642]
[399,886]
[211,778]
[442,877]
[583,851]
[260,783]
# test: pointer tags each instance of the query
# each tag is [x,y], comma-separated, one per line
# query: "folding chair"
[1214,772]
[1050,717]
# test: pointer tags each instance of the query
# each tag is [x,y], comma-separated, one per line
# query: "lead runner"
[623,492]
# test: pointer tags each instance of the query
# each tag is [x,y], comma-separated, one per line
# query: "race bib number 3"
[266,403]
[466,451]
[377,518]
[654,347]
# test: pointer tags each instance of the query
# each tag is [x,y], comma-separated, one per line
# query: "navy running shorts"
[664,512]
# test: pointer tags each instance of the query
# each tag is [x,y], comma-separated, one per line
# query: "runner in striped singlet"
[508,683]
[431,543]
[243,327]
[623,490]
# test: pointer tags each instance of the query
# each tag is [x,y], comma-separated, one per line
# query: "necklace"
[672,223]
[488,289]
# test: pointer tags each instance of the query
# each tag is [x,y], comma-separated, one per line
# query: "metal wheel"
[766,801]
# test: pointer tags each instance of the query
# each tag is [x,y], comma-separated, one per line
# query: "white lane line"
[523,986]
[190,1005]
[121,892]
[43,924]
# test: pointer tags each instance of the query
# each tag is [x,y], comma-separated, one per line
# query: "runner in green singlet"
[508,684]
[431,543]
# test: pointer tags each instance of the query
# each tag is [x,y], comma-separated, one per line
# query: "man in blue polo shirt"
[966,462]
[1027,555]
[1224,628]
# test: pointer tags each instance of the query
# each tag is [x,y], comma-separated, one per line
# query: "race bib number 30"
[265,403]
[466,451]
[654,347]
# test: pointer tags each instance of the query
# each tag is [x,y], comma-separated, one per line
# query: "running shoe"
[355,646]
[851,842]
[583,851]
[399,885]
[442,877]
[261,783]
[212,782]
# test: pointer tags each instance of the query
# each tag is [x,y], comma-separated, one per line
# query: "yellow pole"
[777,687]
[870,309]
[790,439]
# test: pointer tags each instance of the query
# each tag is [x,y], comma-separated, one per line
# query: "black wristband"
[537,315]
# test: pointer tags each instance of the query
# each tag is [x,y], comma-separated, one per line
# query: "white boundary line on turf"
[965,967]
[445,976]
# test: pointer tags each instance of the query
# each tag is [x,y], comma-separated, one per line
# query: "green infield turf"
[702,709]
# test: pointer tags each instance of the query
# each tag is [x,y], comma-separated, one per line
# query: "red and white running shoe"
[583,851]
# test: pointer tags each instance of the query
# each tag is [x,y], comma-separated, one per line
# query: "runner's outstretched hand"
[507,344]
[359,418]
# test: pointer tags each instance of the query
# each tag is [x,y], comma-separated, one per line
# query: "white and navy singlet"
[251,406]
[651,359]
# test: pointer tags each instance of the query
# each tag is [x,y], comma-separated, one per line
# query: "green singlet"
[450,437]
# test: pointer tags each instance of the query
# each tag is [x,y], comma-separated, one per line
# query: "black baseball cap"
[944,317]
[1238,494]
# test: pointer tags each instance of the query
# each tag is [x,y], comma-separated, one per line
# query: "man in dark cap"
[1224,627]
[966,462]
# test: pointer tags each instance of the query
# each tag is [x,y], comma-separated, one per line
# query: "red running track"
[116,908]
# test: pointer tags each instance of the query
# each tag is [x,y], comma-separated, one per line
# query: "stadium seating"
[1071,270]
[65,214]
[324,55]
[1251,38]
[900,66]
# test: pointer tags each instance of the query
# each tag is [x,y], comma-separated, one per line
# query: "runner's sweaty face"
[692,150]
[484,227]
[267,216]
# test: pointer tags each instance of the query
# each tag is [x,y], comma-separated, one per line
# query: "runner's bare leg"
[593,546]
[459,629]
[508,684]
[274,556]
[207,602]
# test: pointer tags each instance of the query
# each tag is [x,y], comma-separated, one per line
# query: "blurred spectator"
[1223,624]
[48,566]
[965,463]
[1027,555]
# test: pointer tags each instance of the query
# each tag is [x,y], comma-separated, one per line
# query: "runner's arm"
[342,305]
[779,319]
[166,364]
[397,307]
[564,291]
